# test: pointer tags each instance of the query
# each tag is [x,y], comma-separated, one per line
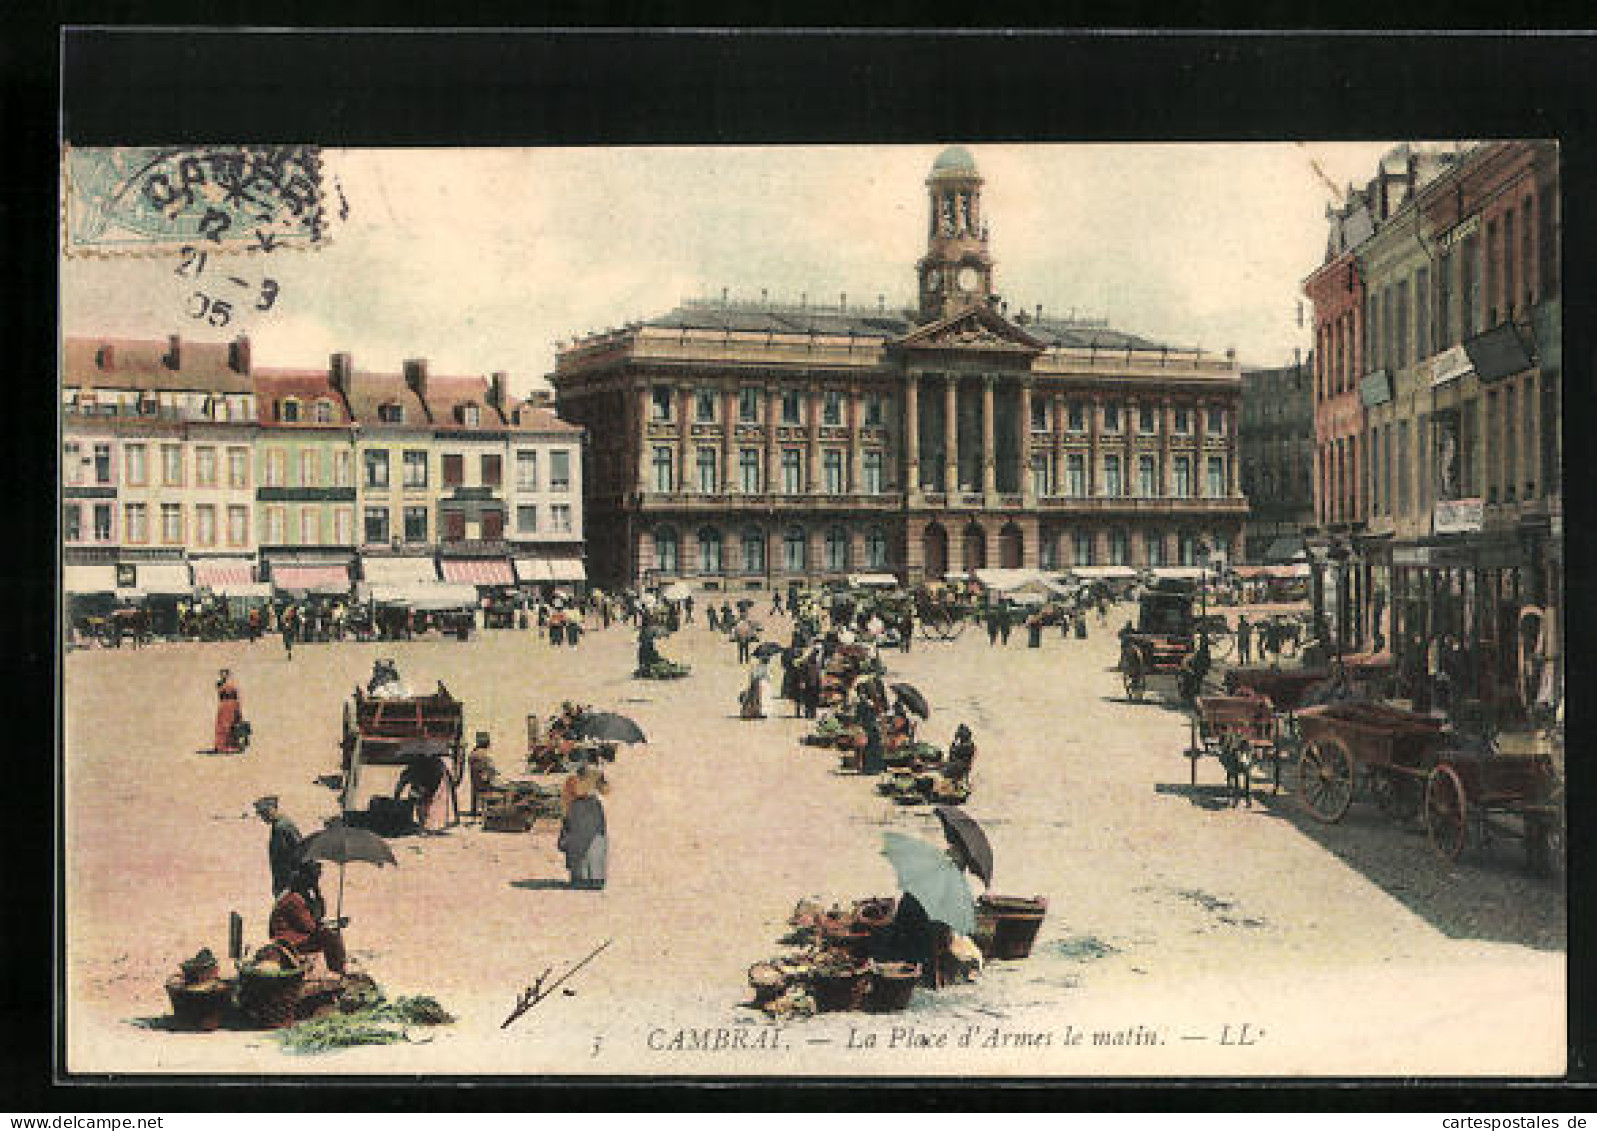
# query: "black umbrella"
[965,834]
[342,844]
[606,726]
[745,603]
[912,699]
[767,650]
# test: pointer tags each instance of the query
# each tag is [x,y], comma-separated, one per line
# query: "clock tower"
[956,272]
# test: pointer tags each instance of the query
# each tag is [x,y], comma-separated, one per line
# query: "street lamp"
[1205,551]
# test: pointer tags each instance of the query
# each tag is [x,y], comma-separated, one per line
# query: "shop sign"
[1376,388]
[1449,365]
[1457,516]
[1461,231]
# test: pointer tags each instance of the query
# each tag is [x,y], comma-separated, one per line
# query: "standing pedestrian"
[289,622]
[229,714]
[1005,621]
[992,626]
[906,629]
[687,608]
[1244,640]
[583,836]
[282,846]
[744,632]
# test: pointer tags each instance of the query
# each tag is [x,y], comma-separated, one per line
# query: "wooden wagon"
[1145,655]
[1222,724]
[1354,743]
[384,732]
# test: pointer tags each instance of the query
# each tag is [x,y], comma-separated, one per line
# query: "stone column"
[1028,495]
[951,437]
[1059,444]
[685,481]
[1130,428]
[1094,457]
[989,469]
[773,451]
[812,453]
[729,435]
[856,410]
[640,402]
[1031,546]
[911,485]
[1166,424]
[1231,457]
[1200,436]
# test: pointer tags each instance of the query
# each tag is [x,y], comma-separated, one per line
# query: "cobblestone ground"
[1184,936]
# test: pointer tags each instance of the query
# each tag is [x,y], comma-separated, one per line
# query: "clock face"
[968,278]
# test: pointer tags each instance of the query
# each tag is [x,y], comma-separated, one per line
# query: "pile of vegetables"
[662,669]
[365,1017]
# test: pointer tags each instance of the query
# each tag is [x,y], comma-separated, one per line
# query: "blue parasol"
[931,876]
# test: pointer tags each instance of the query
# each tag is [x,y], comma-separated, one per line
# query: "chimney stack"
[106,357]
[238,355]
[881,303]
[416,375]
[1039,312]
[174,352]
[842,300]
[341,367]
[496,391]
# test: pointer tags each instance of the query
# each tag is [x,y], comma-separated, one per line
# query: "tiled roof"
[307,385]
[134,363]
[534,418]
[369,390]
[446,394]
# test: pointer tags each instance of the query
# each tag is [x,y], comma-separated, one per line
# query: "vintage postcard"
[942,610]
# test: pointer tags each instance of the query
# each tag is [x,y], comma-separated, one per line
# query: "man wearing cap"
[282,847]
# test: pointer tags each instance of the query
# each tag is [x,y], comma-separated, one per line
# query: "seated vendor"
[297,922]
[961,756]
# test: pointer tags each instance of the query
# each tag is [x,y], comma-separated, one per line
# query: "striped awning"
[222,573]
[478,571]
[310,576]
[532,570]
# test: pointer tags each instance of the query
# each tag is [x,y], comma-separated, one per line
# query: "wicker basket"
[198,1007]
[838,989]
[268,991]
[1011,925]
[767,980]
[892,986]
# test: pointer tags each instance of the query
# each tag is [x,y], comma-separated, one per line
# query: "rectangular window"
[792,471]
[527,519]
[832,464]
[1153,547]
[376,525]
[754,552]
[136,473]
[276,468]
[559,470]
[493,469]
[1111,416]
[1468,444]
[1112,485]
[416,524]
[706,470]
[1081,548]
[72,523]
[1146,419]
[1039,414]
[1039,476]
[309,526]
[749,470]
[660,402]
[454,470]
[1469,287]
[663,467]
[873,410]
[1528,414]
[71,463]
[873,473]
[238,525]
[1444,300]
[171,523]
[205,524]
[1527,213]
[1183,477]
[1372,328]
[102,522]
[415,468]
[1217,422]
[307,468]
[1510,446]
[1047,553]
[1493,301]
[704,406]
[1119,547]
[1401,345]
[454,525]
[205,467]
[1147,477]
[526,471]
[1216,477]
[376,471]
[832,408]
[748,406]
[1388,329]
[1078,417]
[1423,346]
[171,465]
[836,553]
[560,518]
[1402,467]
[343,469]
[102,464]
[1494,447]
[1183,422]
[1076,476]
[344,526]
[1510,250]
[791,406]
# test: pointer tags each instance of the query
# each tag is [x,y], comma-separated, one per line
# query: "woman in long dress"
[756,698]
[583,835]
[432,788]
[228,713]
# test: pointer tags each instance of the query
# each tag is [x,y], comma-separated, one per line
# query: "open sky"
[482,260]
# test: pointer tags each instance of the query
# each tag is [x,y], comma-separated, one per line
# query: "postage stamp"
[144,200]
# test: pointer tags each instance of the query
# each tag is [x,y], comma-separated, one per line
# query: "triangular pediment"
[974,328]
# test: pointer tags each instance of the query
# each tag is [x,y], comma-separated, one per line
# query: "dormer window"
[288,410]
[391,413]
[324,411]
[470,415]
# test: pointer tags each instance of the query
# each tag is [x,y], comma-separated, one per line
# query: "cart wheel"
[1446,811]
[1325,779]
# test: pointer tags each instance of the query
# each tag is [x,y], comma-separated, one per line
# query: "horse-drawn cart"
[1239,730]
[381,731]
[1163,640]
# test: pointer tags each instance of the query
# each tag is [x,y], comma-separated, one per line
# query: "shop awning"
[253,590]
[529,571]
[217,574]
[872,580]
[165,578]
[478,571]
[428,596]
[1177,573]
[88,578]
[1104,573]
[567,569]
[398,571]
[309,577]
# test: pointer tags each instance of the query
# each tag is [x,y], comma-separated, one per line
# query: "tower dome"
[954,159]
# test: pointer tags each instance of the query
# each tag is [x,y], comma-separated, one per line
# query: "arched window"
[753,550]
[876,548]
[793,549]
[665,550]
[837,549]
[709,550]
